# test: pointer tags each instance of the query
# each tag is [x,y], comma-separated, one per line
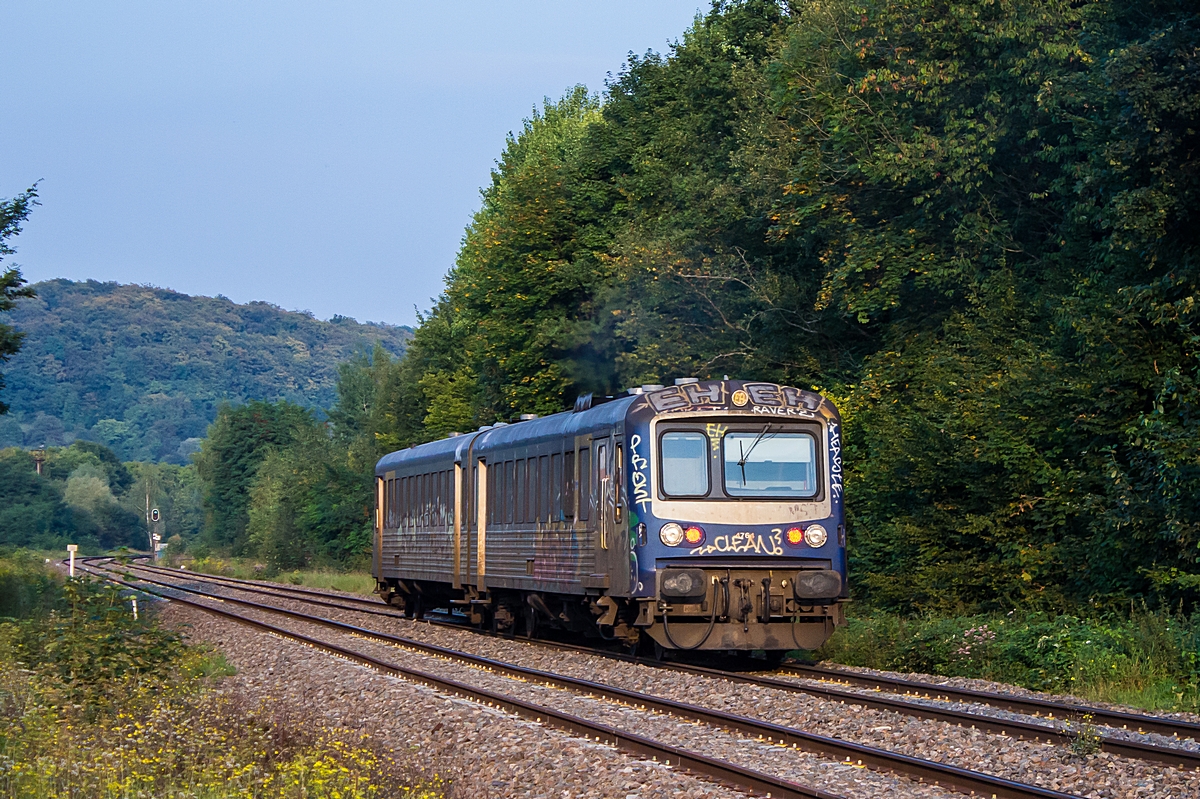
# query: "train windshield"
[769,464]
[685,464]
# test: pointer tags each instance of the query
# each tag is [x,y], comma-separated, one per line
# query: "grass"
[97,705]
[1145,659]
[352,582]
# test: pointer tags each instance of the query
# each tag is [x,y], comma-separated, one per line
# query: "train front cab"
[735,501]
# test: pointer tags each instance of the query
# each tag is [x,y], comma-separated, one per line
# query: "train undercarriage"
[737,610]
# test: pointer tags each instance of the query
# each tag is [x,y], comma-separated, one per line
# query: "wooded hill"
[972,224]
[143,370]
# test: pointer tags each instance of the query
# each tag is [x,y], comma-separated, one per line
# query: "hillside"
[143,370]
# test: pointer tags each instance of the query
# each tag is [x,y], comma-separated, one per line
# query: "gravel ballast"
[1053,767]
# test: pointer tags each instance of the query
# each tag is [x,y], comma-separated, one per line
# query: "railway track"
[712,768]
[949,776]
[1045,710]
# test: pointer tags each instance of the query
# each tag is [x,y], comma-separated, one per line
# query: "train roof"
[555,426]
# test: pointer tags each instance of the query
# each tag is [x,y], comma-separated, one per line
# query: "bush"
[95,704]
[1146,659]
[25,586]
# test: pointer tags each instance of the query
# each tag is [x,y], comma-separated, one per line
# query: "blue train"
[705,515]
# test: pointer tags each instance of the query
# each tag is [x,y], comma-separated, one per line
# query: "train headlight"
[815,536]
[683,583]
[694,535]
[671,534]
[795,536]
[818,584]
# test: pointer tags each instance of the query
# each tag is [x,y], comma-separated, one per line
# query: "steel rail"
[1181,758]
[951,777]
[261,583]
[1019,704]
[712,768]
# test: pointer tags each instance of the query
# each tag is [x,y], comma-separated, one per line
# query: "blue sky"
[320,156]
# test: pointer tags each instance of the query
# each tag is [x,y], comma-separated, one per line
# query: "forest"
[972,225]
[143,370]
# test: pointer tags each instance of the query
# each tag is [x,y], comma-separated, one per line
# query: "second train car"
[707,515]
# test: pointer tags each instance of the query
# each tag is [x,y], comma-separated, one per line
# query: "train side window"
[405,504]
[544,488]
[568,484]
[503,502]
[519,493]
[602,491]
[556,482]
[618,462]
[585,482]
[441,500]
[510,491]
[426,500]
[422,499]
[491,496]
[422,480]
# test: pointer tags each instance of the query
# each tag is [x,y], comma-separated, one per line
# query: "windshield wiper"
[746,454]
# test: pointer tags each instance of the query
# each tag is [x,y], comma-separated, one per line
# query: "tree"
[12,286]
[238,441]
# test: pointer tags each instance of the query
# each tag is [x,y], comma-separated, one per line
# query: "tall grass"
[1146,659]
[97,705]
[351,582]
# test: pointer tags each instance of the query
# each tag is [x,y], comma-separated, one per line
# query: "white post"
[71,549]
[133,599]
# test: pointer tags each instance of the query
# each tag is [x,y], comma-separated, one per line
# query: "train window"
[388,505]
[766,464]
[543,488]
[510,491]
[603,490]
[492,501]
[585,482]
[396,484]
[556,492]
[404,503]
[519,493]
[422,491]
[618,462]
[683,458]
[568,493]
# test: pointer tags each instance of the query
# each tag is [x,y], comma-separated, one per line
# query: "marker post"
[71,550]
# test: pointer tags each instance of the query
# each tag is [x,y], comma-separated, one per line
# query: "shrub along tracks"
[949,776]
[1048,714]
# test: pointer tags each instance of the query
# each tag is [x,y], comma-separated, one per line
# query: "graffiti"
[641,482]
[759,397]
[835,461]
[745,542]
[688,396]
[715,433]
[807,414]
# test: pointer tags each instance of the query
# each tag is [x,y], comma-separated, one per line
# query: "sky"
[323,157]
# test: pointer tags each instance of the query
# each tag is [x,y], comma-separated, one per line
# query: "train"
[706,515]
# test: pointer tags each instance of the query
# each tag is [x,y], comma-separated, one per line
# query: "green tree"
[238,441]
[12,286]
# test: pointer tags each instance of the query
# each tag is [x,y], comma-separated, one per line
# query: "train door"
[612,550]
[481,502]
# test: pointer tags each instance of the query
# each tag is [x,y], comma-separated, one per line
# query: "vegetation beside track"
[1144,659]
[351,581]
[94,703]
